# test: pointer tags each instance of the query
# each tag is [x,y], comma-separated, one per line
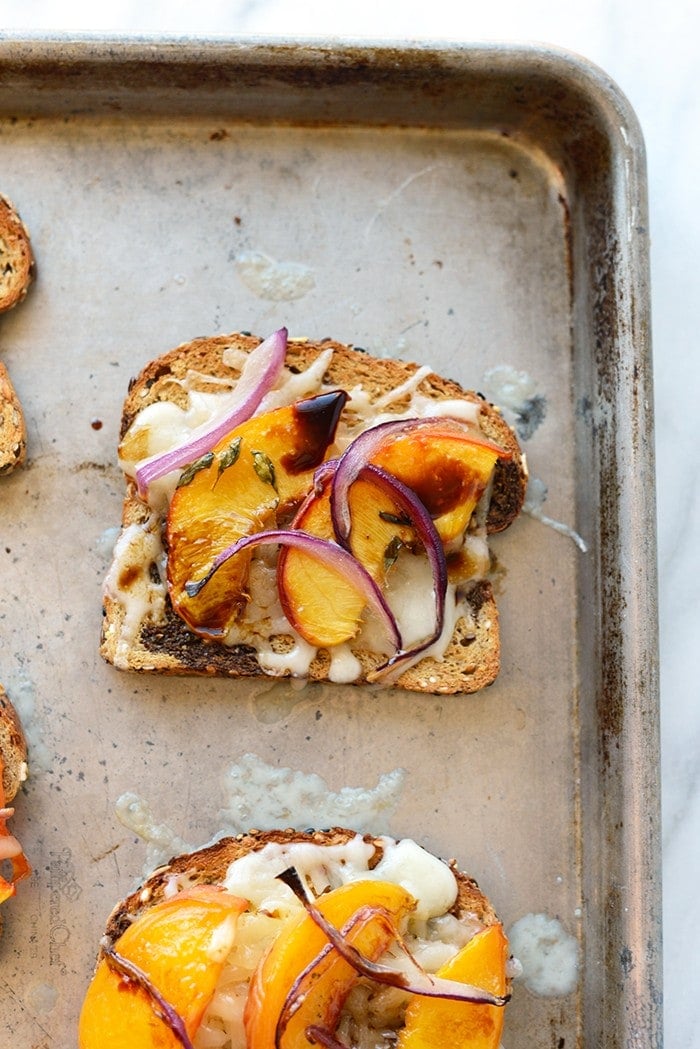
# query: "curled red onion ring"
[160,1005]
[329,553]
[259,373]
[421,983]
[296,994]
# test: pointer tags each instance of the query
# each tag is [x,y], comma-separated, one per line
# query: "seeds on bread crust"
[16,274]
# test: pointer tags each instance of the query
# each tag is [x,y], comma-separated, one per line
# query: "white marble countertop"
[651,51]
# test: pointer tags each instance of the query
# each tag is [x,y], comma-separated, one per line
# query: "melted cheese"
[324,867]
[430,933]
[547,954]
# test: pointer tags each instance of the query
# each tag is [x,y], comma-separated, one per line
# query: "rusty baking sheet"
[470,207]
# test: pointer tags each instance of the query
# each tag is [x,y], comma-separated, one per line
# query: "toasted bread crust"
[13,748]
[208,866]
[16,257]
[472,659]
[13,431]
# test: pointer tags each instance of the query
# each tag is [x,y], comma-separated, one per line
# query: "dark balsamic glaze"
[316,422]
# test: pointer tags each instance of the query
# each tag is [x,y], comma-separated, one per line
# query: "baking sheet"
[464,207]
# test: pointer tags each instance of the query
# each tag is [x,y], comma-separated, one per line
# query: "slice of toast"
[256,972]
[13,773]
[140,629]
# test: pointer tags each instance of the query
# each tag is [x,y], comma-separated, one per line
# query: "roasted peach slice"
[433,1023]
[320,602]
[180,946]
[448,469]
[275,1014]
[256,473]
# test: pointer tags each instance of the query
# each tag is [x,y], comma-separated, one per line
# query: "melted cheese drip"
[280,650]
[267,796]
[130,584]
[548,955]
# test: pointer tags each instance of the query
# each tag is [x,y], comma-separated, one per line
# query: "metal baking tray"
[469,207]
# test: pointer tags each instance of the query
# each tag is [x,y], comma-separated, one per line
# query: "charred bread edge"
[208,866]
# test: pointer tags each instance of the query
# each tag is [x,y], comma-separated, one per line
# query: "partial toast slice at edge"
[16,256]
[13,430]
[13,747]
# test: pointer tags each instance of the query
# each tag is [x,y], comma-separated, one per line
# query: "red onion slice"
[297,993]
[421,983]
[160,1005]
[261,369]
[329,553]
[426,532]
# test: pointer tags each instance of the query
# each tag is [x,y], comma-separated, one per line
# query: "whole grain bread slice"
[164,644]
[208,866]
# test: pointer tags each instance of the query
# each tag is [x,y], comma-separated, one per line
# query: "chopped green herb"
[230,455]
[397,519]
[264,468]
[199,464]
[392,552]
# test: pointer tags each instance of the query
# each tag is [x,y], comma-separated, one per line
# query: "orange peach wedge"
[433,1023]
[255,473]
[447,469]
[320,601]
[180,946]
[302,981]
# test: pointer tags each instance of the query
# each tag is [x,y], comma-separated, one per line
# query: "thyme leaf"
[392,551]
[264,468]
[190,471]
[229,456]
[397,519]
